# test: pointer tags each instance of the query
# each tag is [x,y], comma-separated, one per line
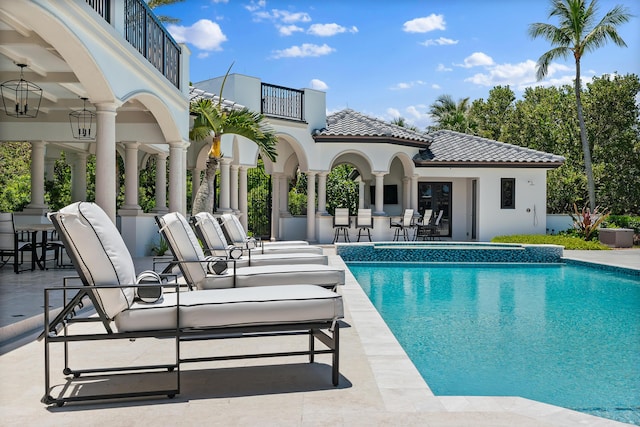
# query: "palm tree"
[213,119]
[451,115]
[402,122]
[577,34]
[164,18]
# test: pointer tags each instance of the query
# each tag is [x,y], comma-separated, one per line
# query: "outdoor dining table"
[32,230]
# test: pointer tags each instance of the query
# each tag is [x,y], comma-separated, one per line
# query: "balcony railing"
[147,35]
[103,7]
[282,102]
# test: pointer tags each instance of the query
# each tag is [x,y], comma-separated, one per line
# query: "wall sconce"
[21,98]
[82,122]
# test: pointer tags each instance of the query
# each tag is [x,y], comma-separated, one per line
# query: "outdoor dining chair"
[364,223]
[341,224]
[11,246]
[403,225]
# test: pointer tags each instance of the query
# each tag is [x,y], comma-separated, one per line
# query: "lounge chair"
[194,264]
[106,270]
[215,243]
[238,237]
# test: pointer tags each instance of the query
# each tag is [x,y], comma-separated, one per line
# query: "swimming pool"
[568,335]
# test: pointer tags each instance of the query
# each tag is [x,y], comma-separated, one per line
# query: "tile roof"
[454,148]
[440,148]
[195,93]
[350,126]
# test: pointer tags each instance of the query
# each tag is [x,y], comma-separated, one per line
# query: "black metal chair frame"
[58,331]
[341,228]
[364,227]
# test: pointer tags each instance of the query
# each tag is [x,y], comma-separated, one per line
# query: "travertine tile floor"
[378,385]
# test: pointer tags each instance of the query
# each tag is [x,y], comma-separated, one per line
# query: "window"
[390,194]
[507,193]
[437,197]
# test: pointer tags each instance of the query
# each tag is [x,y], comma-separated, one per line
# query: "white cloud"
[204,34]
[256,5]
[441,67]
[202,55]
[318,85]
[442,41]
[304,50]
[425,24]
[435,86]
[328,30]
[407,85]
[393,112]
[220,1]
[521,75]
[287,30]
[476,59]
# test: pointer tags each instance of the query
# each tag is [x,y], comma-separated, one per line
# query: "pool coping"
[403,388]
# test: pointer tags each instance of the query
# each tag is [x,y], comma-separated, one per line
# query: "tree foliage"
[578,32]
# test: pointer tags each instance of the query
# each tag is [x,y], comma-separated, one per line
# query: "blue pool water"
[567,335]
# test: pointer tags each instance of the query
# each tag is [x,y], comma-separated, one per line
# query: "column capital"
[131,145]
[162,155]
[379,174]
[106,106]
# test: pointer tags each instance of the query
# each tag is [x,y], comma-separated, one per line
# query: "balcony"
[282,102]
[145,33]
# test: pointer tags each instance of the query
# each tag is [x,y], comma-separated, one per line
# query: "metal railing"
[102,7]
[284,102]
[151,39]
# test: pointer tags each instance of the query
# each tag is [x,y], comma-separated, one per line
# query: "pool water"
[567,335]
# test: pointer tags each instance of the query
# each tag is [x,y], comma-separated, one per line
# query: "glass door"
[437,197]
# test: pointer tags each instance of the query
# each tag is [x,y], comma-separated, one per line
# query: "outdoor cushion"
[191,258]
[269,275]
[238,236]
[235,307]
[214,240]
[100,254]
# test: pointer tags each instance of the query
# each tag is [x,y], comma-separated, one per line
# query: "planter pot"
[616,237]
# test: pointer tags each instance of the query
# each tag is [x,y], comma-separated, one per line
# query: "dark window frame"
[507,193]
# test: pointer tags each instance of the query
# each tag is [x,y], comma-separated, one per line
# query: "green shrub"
[569,242]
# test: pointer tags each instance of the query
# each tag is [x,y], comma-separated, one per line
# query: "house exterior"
[135,80]
[485,188]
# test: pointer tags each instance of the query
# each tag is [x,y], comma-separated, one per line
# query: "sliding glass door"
[436,196]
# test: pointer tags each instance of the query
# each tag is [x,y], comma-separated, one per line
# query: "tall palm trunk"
[591,186]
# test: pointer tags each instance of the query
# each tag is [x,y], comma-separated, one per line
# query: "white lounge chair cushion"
[235,307]
[101,253]
[215,240]
[238,235]
[271,275]
[288,249]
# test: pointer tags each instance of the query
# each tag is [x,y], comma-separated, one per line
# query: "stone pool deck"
[378,385]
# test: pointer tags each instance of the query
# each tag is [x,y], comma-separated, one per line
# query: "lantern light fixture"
[21,98]
[82,122]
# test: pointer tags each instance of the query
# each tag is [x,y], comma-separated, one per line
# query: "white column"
[243,204]
[49,168]
[311,206]
[233,185]
[183,175]
[37,176]
[406,190]
[361,194]
[196,180]
[414,192]
[322,193]
[225,164]
[284,196]
[79,177]
[379,207]
[106,191]
[161,183]
[175,176]
[275,205]
[131,177]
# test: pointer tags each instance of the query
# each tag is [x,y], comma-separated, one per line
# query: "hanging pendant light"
[21,98]
[82,122]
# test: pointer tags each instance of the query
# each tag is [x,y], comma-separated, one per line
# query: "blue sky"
[387,58]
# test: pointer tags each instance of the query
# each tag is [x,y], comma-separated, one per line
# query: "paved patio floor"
[378,386]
